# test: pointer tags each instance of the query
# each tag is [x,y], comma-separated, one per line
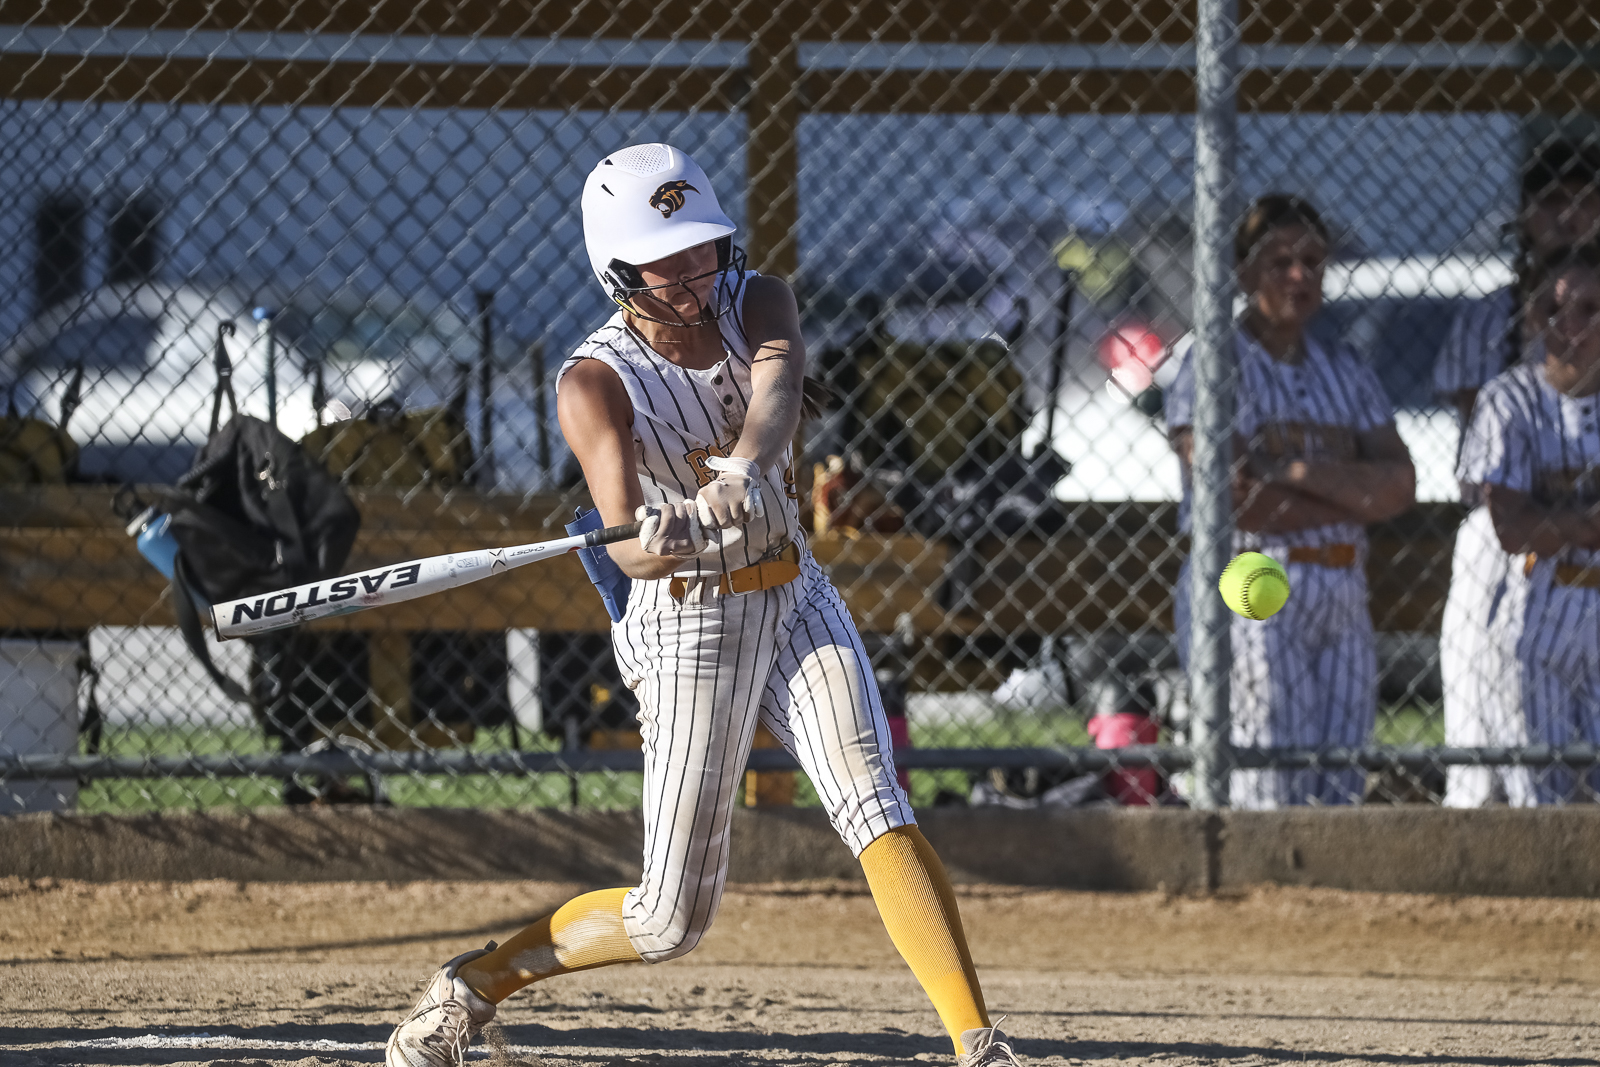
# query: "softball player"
[1318,458]
[681,410]
[1482,697]
[1534,449]
[1478,634]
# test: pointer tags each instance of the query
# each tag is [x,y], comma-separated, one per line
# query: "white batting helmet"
[643,203]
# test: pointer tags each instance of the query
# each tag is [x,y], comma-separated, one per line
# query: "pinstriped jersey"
[1527,436]
[1313,410]
[682,417]
[1478,346]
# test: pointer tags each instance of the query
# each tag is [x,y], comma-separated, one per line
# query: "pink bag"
[1137,788]
[900,735]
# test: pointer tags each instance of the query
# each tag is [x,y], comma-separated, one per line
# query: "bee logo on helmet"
[669,197]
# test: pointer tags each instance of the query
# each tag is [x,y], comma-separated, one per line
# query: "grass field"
[1400,726]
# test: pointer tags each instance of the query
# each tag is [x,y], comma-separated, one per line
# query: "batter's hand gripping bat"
[390,585]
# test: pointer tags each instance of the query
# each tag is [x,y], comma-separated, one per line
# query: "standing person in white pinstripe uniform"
[1534,449]
[1317,457]
[681,411]
[1478,634]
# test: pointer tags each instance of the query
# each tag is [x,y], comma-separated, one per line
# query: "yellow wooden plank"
[1116,566]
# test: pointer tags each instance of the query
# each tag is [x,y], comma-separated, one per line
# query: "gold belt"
[1324,555]
[768,574]
[1566,573]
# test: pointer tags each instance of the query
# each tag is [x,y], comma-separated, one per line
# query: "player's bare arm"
[772,319]
[1260,507]
[1379,484]
[597,419]
[1524,525]
[777,374]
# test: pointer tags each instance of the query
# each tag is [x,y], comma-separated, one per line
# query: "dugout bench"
[67,564]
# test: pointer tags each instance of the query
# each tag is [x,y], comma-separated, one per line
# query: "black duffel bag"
[253,514]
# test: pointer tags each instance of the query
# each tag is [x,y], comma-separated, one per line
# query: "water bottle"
[152,534]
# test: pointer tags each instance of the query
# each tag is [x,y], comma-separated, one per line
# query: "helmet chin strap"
[707,316]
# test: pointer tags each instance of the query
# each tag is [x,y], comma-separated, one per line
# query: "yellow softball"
[1254,585]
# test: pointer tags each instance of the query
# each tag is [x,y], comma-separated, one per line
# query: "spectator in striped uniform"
[1477,644]
[1317,457]
[1533,452]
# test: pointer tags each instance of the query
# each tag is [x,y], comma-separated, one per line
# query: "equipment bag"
[252,515]
[33,452]
[394,449]
[36,452]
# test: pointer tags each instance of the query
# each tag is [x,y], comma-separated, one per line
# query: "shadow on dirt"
[533,1045]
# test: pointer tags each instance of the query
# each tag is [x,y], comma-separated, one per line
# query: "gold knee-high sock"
[584,932]
[919,910]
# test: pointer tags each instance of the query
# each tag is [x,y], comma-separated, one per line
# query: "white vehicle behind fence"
[1394,312]
[147,354]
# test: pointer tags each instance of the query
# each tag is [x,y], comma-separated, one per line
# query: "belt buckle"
[698,586]
[744,580]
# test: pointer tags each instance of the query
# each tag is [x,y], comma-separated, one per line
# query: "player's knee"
[872,807]
[672,924]
[681,944]
[660,942]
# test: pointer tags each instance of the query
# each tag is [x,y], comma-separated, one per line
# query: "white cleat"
[444,1022]
[987,1047]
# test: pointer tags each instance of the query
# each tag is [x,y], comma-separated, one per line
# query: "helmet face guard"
[628,283]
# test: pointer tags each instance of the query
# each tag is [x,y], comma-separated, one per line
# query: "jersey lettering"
[703,475]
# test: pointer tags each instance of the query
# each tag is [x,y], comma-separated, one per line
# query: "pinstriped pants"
[706,670]
[1307,678]
[1560,656]
[1478,664]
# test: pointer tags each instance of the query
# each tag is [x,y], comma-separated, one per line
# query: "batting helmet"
[644,203]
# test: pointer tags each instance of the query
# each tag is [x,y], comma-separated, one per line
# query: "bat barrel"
[390,585]
[353,592]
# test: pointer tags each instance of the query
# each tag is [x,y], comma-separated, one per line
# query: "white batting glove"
[671,530]
[734,498]
[676,530]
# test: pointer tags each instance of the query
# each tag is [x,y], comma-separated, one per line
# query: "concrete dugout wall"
[1547,852]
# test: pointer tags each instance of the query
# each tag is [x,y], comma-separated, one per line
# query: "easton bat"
[391,585]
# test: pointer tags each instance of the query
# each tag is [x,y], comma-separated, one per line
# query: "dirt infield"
[227,975]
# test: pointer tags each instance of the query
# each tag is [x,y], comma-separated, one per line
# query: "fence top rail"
[996,21]
[1078,760]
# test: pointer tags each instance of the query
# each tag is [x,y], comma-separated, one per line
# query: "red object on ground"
[1136,788]
[900,736]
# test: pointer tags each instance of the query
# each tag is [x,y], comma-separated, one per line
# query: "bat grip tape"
[611,535]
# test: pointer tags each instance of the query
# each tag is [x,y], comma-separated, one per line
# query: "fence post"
[1211,512]
[772,205]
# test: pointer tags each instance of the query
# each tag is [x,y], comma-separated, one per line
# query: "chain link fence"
[995,222]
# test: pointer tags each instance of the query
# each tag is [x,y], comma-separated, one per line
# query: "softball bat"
[391,585]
